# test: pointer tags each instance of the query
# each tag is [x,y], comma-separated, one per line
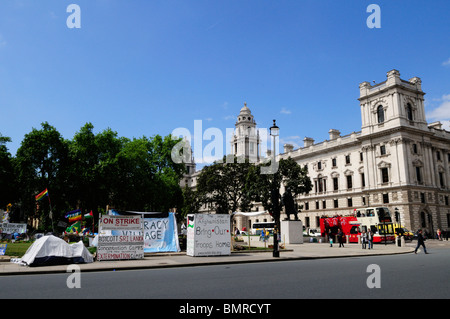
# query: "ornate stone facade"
[397,160]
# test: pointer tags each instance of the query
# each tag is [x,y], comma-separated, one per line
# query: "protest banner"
[160,233]
[11,228]
[120,247]
[3,249]
[208,235]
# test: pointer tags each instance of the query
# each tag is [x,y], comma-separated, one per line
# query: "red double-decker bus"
[377,219]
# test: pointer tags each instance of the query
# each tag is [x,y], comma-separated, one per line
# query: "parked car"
[311,232]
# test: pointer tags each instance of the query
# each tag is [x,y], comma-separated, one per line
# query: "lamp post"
[275,194]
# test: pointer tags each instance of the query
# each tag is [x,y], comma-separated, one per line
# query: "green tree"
[225,186]
[289,174]
[41,163]
[148,179]
[93,167]
[7,179]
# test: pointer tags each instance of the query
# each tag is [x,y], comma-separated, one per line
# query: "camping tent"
[51,250]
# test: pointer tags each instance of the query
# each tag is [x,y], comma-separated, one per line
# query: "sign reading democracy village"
[208,235]
[117,247]
[160,233]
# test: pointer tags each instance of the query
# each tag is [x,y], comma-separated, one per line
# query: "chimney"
[288,148]
[334,134]
[308,141]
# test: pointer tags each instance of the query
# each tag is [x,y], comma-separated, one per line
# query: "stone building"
[397,160]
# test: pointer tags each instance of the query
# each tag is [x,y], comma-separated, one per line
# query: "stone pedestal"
[292,231]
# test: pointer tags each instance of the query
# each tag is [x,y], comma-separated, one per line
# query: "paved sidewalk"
[164,260]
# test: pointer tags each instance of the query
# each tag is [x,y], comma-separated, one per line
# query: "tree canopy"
[89,172]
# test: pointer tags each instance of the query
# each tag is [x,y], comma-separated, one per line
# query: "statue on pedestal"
[288,202]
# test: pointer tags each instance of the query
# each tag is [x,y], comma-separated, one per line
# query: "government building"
[397,160]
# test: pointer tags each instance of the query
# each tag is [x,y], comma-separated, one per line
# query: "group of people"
[366,239]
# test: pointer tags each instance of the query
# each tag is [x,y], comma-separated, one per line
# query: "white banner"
[208,235]
[121,222]
[11,228]
[117,247]
[120,247]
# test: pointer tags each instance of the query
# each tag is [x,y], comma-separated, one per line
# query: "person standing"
[420,242]
[330,238]
[370,238]
[341,238]
[364,239]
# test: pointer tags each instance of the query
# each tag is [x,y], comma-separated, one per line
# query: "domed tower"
[245,141]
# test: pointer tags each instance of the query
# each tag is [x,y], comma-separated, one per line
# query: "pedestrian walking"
[370,238]
[330,238]
[364,239]
[439,234]
[341,238]
[420,242]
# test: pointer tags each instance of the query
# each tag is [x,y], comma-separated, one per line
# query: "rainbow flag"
[74,216]
[42,195]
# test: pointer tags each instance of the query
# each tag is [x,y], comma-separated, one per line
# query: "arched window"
[409,112]
[380,114]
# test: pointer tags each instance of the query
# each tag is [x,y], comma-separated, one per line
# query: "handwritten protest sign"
[208,235]
[117,247]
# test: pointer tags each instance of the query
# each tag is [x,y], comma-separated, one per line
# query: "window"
[418,175]
[380,114]
[347,159]
[423,220]
[363,180]
[441,179]
[384,175]
[317,205]
[383,149]
[349,181]
[422,198]
[385,198]
[414,148]
[438,155]
[336,203]
[324,204]
[306,205]
[333,162]
[335,183]
[409,112]
[350,202]
[361,157]
[319,165]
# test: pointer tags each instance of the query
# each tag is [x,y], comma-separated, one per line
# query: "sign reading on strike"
[122,246]
[121,222]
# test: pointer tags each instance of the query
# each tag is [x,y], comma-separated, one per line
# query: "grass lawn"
[17,249]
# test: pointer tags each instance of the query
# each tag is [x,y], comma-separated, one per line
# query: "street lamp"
[275,193]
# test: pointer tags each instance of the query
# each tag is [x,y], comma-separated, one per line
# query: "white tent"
[51,250]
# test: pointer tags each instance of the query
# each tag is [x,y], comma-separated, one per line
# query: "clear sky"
[146,67]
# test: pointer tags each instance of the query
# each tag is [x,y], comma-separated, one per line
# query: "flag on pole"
[41,195]
[74,216]
[89,215]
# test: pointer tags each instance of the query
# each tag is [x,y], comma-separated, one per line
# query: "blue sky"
[146,67]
